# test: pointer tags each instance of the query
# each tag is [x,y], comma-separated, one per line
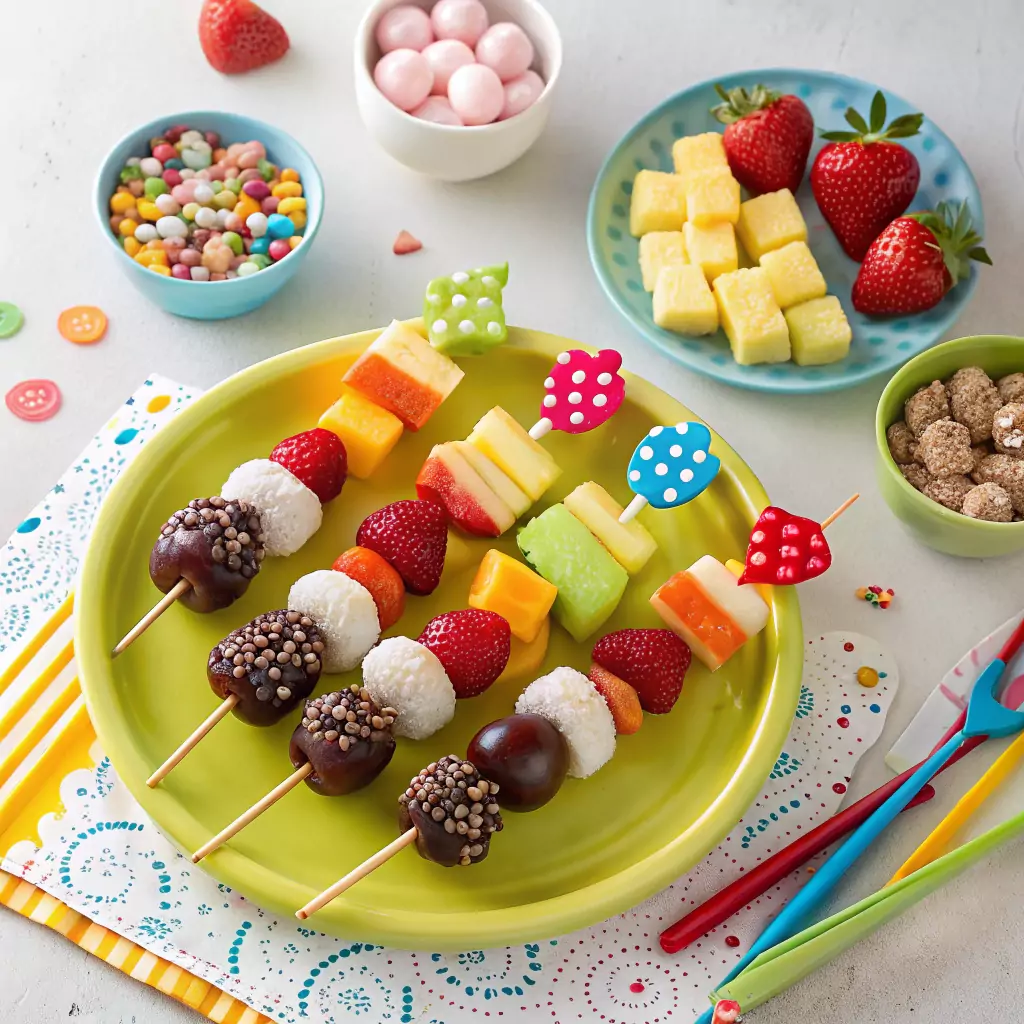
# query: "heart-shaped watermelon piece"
[785,549]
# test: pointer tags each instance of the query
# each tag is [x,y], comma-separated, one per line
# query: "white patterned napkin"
[103,857]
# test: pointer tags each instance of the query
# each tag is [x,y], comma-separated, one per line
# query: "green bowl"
[931,523]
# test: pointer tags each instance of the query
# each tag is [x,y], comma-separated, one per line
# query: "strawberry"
[861,181]
[621,699]
[238,36]
[767,137]
[413,537]
[472,645]
[652,661]
[406,243]
[384,584]
[911,265]
[317,457]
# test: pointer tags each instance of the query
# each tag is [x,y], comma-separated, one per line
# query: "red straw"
[760,879]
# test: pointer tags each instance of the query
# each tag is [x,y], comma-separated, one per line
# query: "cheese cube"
[819,331]
[751,317]
[403,373]
[658,203]
[683,301]
[524,659]
[367,431]
[769,222]
[710,611]
[713,248]
[693,154]
[498,436]
[794,274]
[660,249]
[712,197]
[514,591]
[629,543]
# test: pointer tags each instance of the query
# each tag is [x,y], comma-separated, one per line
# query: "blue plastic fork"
[985,717]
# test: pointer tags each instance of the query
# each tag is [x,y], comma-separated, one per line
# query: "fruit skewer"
[397,383]
[564,699]
[345,739]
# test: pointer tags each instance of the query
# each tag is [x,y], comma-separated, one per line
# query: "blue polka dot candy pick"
[670,467]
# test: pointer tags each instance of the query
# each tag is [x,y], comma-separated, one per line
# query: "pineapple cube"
[514,591]
[658,203]
[794,274]
[769,222]
[660,249]
[367,431]
[499,482]
[713,248]
[629,543]
[819,331]
[751,317]
[693,154]
[403,373]
[514,452]
[712,197]
[683,301]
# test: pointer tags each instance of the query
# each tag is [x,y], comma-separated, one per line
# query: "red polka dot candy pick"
[34,400]
[786,549]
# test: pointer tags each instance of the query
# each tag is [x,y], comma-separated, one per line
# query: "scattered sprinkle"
[876,595]
[405,244]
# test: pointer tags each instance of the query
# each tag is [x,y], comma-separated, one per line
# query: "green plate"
[671,793]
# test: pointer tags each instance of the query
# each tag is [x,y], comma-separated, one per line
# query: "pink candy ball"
[171,177]
[445,57]
[438,110]
[476,94]
[269,205]
[404,28]
[181,271]
[520,93]
[279,248]
[465,20]
[257,188]
[164,152]
[505,48]
[190,258]
[404,77]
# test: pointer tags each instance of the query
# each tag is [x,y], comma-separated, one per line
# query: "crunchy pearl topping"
[232,528]
[348,717]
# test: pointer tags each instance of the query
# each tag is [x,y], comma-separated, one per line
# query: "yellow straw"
[936,843]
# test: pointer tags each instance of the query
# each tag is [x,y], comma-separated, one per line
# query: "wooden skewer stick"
[254,812]
[204,727]
[180,588]
[839,511]
[368,865]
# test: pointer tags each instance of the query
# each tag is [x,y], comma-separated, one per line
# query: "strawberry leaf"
[979,254]
[904,126]
[877,112]
[841,136]
[858,123]
[738,103]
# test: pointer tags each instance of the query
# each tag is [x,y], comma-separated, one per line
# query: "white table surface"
[71,84]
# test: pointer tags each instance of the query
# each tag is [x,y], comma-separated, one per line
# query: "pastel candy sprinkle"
[464,311]
[583,390]
[672,465]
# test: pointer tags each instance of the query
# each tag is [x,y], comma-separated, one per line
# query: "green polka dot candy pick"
[671,466]
[463,311]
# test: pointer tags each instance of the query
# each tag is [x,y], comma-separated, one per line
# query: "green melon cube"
[590,582]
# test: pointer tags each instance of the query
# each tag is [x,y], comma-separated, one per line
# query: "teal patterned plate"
[879,346]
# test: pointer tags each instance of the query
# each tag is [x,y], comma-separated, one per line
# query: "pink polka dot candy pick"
[404,77]
[581,392]
[670,466]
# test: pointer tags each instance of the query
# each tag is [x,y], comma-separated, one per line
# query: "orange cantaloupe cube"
[514,591]
[367,431]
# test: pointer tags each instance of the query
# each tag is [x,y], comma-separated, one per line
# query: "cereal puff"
[989,502]
[949,491]
[1006,471]
[926,406]
[1008,429]
[974,401]
[944,449]
[1011,387]
[902,443]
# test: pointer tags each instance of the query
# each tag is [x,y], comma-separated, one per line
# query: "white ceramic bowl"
[443,151]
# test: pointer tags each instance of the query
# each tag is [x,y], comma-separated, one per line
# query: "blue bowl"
[218,300]
[879,346]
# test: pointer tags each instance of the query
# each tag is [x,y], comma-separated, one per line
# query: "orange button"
[82,324]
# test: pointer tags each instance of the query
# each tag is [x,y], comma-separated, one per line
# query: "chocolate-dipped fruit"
[270,664]
[454,810]
[214,543]
[526,755]
[347,739]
